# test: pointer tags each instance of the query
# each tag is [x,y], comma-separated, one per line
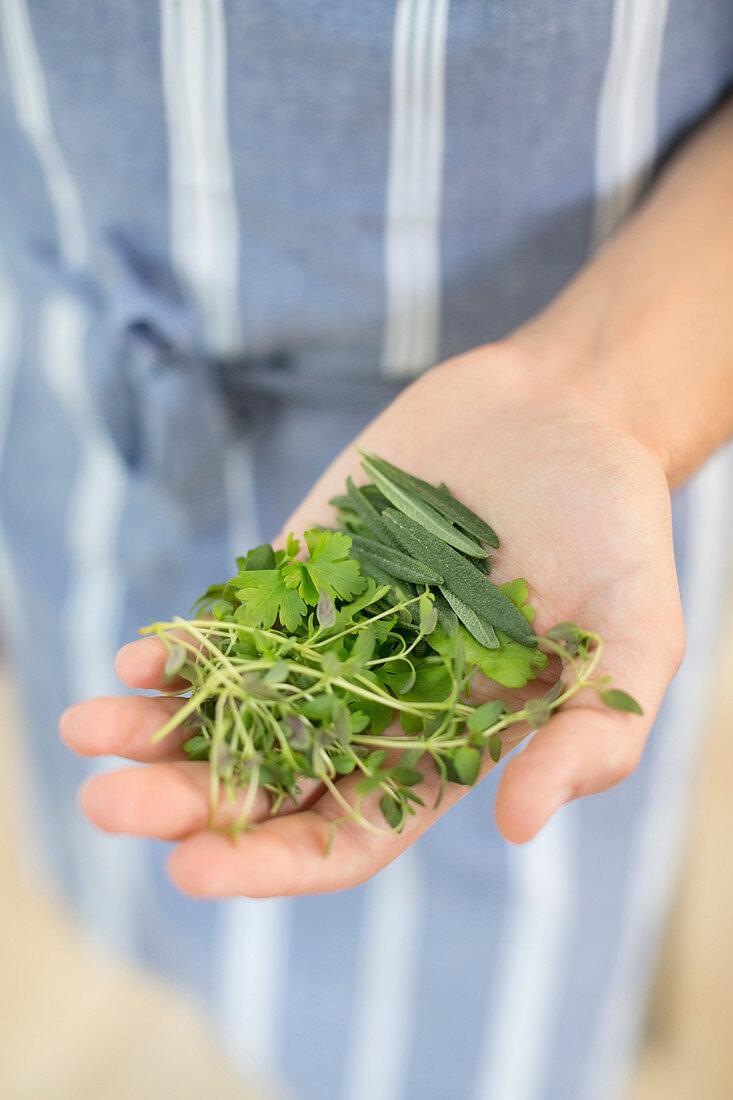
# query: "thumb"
[580,751]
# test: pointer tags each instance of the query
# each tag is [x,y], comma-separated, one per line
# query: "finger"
[141,664]
[170,801]
[123,726]
[587,747]
[288,855]
[582,750]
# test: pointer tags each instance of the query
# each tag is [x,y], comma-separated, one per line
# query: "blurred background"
[76,1025]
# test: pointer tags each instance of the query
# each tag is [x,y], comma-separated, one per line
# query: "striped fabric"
[229,232]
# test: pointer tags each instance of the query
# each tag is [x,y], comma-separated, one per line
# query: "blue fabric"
[310,91]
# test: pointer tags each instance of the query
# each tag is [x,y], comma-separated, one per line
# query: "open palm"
[583,513]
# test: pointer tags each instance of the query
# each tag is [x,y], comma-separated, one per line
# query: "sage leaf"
[440,498]
[423,513]
[396,562]
[368,514]
[482,631]
[462,576]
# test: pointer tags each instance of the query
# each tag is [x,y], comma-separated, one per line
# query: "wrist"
[608,376]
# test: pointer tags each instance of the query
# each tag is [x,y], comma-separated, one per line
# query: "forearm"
[646,329]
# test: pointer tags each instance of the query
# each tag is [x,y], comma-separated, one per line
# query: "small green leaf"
[292,547]
[175,661]
[278,674]
[407,777]
[197,747]
[326,610]
[564,632]
[261,557]
[319,708]
[343,764]
[466,763]
[428,612]
[494,746]
[358,721]
[486,716]
[620,700]
[398,675]
[392,811]
[554,692]
[369,784]
[340,721]
[363,646]
[512,665]
[255,685]
[331,663]
[537,712]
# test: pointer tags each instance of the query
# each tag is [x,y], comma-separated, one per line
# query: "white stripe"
[252,937]
[31,104]
[660,840]
[397,252]
[253,934]
[240,490]
[378,1059]
[94,607]
[108,882]
[110,868]
[426,319]
[626,126]
[534,950]
[251,976]
[204,220]
[414,187]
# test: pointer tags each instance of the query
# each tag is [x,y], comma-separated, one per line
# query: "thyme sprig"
[270,710]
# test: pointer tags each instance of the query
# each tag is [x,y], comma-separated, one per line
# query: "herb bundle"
[360,657]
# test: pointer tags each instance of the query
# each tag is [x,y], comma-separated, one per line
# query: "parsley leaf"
[330,569]
[266,598]
[287,588]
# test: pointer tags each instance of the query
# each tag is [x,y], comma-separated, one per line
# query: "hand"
[582,510]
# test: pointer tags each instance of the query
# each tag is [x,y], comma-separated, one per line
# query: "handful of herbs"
[360,656]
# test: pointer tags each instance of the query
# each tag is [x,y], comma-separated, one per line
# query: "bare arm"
[646,329]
